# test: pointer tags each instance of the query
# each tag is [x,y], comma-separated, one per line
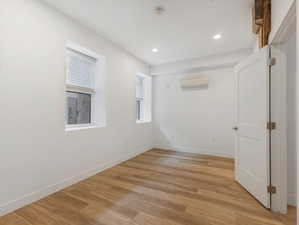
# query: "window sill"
[142,122]
[82,127]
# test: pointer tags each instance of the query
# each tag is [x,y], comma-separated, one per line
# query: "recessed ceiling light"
[217,36]
[155,50]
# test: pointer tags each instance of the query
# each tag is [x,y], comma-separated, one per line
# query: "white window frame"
[146,104]
[98,114]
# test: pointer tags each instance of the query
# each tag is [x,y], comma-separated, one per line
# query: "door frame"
[278,136]
[279,149]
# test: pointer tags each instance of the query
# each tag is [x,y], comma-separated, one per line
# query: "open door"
[252,117]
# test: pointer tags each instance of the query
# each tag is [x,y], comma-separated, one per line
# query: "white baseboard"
[292,200]
[48,190]
[194,150]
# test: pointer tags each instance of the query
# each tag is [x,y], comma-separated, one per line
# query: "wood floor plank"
[105,215]
[37,215]
[162,177]
[101,203]
[186,165]
[198,176]
[145,219]
[13,219]
[159,187]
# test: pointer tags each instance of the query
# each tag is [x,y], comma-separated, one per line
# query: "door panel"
[252,115]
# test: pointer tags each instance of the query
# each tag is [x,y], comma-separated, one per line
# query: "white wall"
[197,121]
[279,10]
[202,63]
[37,155]
[289,47]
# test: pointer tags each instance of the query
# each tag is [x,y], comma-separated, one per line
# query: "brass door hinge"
[271,189]
[271,125]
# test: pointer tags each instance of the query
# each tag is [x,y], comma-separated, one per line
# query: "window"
[84,88]
[138,108]
[139,97]
[143,98]
[78,108]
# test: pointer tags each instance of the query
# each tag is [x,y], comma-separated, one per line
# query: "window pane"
[138,109]
[78,108]
[139,87]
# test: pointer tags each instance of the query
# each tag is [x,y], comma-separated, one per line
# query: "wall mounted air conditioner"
[194,82]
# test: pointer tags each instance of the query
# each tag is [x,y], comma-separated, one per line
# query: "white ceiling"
[185,31]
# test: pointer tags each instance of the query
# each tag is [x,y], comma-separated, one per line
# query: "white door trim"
[279,155]
[283,30]
[278,136]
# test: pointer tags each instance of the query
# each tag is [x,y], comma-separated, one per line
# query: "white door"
[252,116]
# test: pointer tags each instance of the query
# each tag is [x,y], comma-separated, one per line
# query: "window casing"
[85,102]
[143,98]
[139,97]
[138,109]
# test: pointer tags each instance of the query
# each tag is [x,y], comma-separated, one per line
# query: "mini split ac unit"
[194,82]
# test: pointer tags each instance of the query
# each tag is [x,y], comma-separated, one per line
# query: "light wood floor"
[156,188]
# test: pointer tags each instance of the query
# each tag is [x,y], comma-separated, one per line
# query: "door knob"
[235,128]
